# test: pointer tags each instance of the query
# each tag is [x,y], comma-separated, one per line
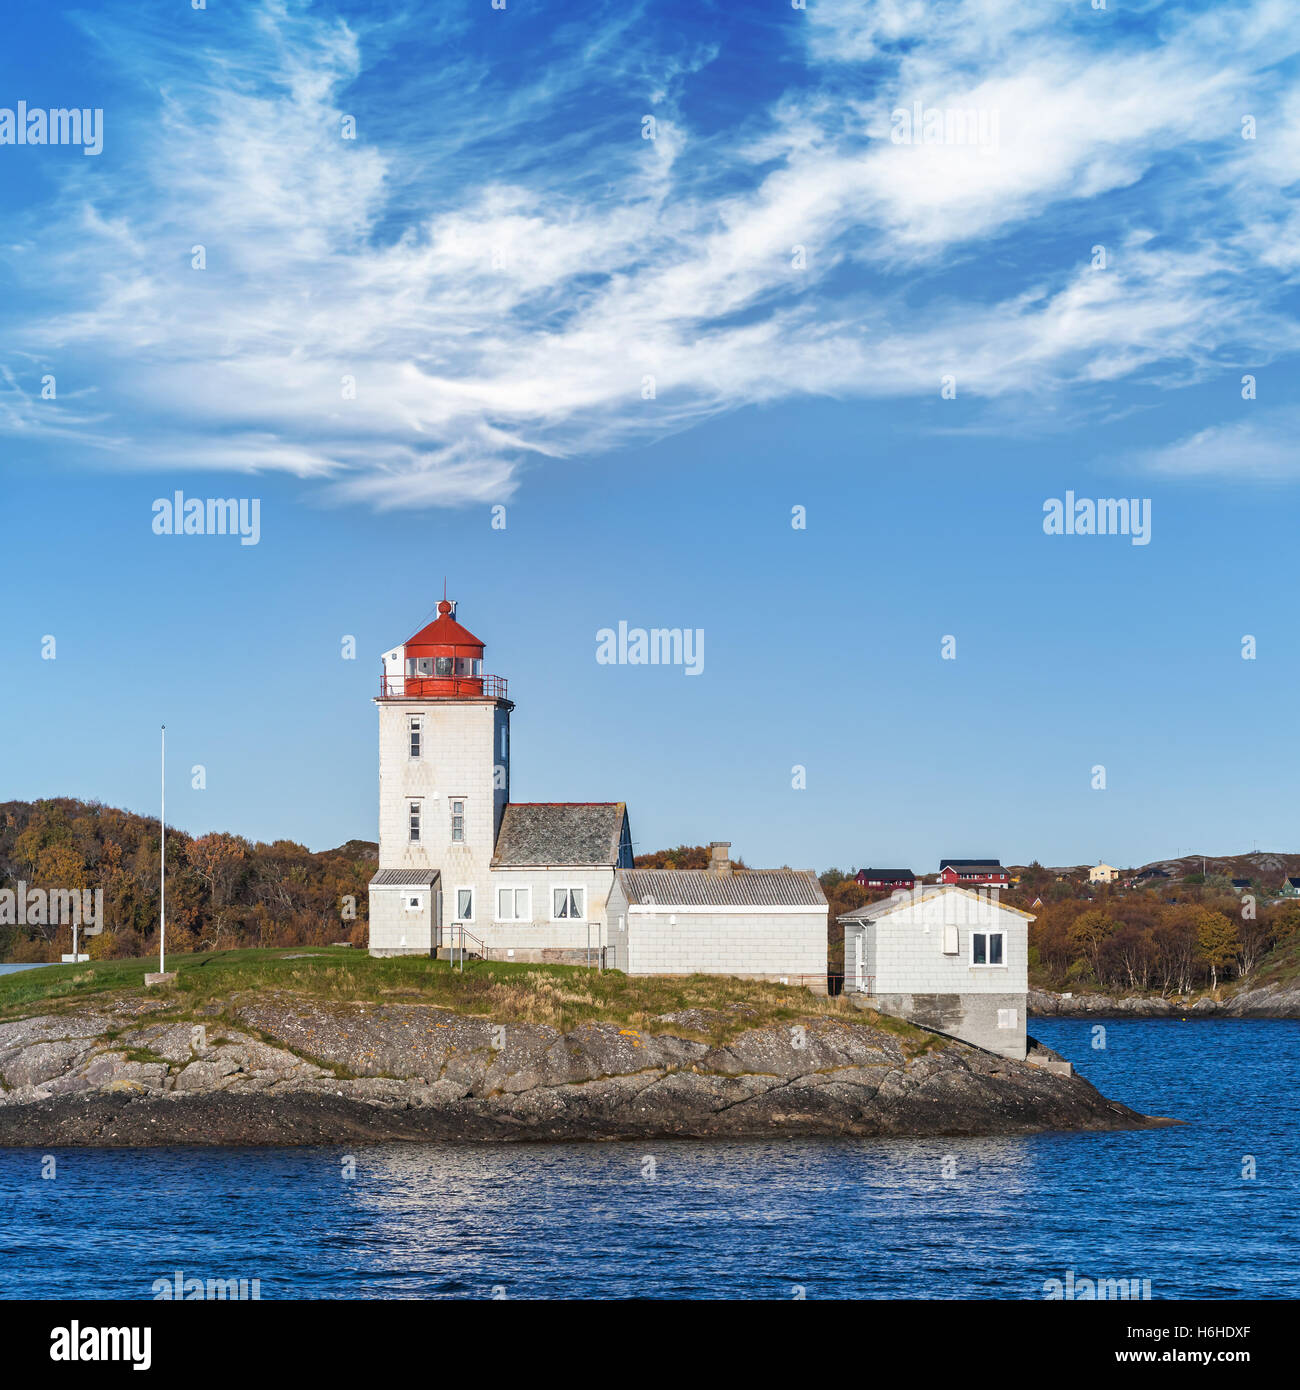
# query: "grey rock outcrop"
[298,1072]
[1269,1001]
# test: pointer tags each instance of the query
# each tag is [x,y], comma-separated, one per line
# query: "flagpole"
[162,827]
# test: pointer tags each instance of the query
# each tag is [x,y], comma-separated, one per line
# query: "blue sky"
[499,260]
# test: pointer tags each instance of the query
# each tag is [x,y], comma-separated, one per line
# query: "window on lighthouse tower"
[458,822]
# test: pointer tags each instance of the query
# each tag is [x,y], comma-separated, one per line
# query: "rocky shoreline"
[1272,1001]
[273,1070]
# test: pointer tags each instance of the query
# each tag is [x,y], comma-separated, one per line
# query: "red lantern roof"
[443,632]
[442,661]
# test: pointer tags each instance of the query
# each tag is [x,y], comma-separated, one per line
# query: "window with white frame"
[415,728]
[414,902]
[464,904]
[413,810]
[986,948]
[1008,1018]
[514,904]
[568,904]
[457,821]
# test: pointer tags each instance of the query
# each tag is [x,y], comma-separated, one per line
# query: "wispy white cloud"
[500,291]
[1260,446]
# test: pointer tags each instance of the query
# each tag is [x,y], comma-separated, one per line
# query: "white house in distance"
[952,959]
[1103,873]
[461,865]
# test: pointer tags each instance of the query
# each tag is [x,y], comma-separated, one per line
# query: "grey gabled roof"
[871,911]
[740,888]
[561,832]
[405,878]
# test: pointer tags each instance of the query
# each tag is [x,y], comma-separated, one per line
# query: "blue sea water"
[947,1218]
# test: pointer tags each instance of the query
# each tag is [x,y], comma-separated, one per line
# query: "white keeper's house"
[952,959]
[462,866]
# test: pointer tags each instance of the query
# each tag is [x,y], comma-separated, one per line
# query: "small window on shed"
[1007,1018]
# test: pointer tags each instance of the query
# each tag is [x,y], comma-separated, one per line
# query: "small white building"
[1103,873]
[762,924]
[952,959]
[462,866]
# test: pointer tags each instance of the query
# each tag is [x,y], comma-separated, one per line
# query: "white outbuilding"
[761,924]
[952,959]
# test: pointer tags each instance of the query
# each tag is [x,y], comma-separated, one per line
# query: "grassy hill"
[713,1007]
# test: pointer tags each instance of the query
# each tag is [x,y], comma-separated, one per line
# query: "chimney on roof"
[720,857]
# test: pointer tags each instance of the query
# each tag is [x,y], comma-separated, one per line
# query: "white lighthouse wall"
[458,760]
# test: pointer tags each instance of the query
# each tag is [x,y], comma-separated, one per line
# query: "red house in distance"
[885,880]
[974,873]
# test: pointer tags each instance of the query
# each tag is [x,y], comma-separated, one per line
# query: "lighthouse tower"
[444,784]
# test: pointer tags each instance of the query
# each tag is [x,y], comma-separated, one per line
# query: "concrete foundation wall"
[539,955]
[992,1021]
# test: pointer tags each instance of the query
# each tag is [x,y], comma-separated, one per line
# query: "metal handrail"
[459,956]
[425,687]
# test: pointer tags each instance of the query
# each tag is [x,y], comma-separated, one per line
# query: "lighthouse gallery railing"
[429,687]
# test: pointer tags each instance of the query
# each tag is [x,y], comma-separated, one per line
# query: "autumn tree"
[1089,931]
[1217,942]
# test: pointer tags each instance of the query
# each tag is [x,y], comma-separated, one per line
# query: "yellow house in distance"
[1103,873]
